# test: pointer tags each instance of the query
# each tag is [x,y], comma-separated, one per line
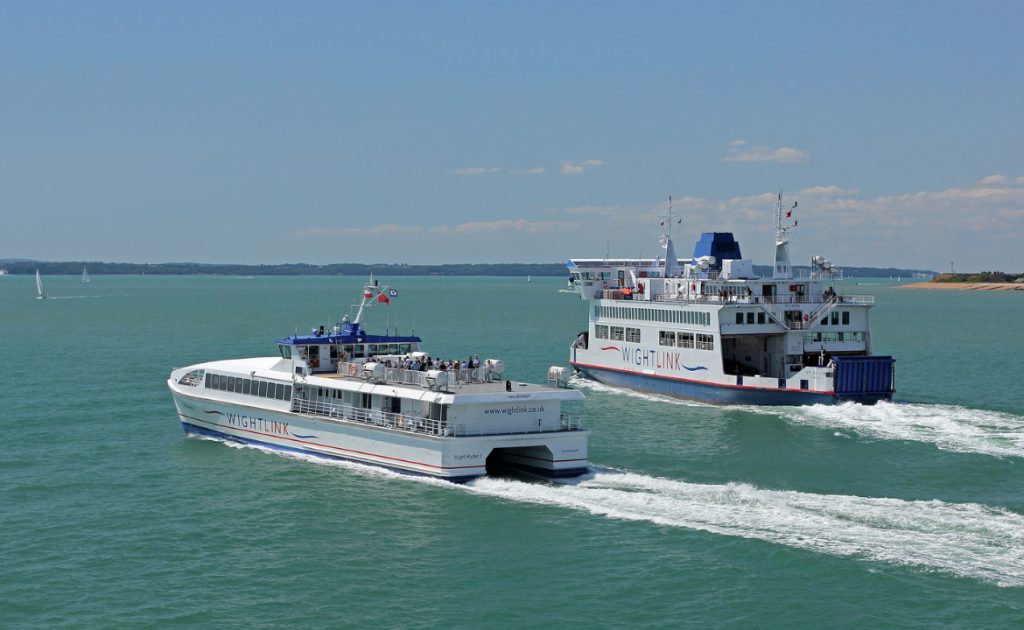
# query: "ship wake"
[968,540]
[963,539]
[950,428]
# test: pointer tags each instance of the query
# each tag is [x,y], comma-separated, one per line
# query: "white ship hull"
[452,458]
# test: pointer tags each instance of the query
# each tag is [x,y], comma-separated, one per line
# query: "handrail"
[402,376]
[411,423]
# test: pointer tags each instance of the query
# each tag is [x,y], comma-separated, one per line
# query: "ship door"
[768,292]
[622,277]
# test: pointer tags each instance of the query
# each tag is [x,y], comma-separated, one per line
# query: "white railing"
[419,377]
[375,417]
[412,423]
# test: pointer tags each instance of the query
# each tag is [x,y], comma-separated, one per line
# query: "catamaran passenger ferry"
[708,328]
[343,393]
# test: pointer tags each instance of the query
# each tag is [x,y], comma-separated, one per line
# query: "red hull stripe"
[691,380]
[347,450]
[336,448]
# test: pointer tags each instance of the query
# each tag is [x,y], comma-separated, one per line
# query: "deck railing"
[402,376]
[412,423]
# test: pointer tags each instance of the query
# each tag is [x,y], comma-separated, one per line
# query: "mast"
[783,224]
[671,260]
[367,296]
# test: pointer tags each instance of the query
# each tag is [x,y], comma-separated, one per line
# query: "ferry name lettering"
[464,456]
[257,424]
[651,358]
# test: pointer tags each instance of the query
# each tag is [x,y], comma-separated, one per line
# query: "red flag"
[383,298]
[789,214]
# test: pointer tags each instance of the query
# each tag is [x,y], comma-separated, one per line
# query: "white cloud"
[476,170]
[739,152]
[539,170]
[384,229]
[569,168]
[822,191]
[978,224]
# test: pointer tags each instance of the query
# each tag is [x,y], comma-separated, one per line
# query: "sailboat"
[42,295]
[85,276]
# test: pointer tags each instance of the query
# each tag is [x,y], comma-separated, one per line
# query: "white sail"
[85,276]
[39,287]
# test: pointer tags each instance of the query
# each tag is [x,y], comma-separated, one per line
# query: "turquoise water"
[910,513]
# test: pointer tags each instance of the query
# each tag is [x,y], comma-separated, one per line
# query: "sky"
[445,132]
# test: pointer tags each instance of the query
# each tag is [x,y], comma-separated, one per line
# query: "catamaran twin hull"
[375,441]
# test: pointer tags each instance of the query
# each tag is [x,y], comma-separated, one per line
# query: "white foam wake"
[967,540]
[964,539]
[949,427]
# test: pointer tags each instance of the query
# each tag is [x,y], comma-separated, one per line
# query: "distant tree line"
[984,276]
[356,269]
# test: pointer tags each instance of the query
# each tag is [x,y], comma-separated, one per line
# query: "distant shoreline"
[966,286]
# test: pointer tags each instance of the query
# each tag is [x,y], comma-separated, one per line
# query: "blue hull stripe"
[198,430]
[192,429]
[717,394]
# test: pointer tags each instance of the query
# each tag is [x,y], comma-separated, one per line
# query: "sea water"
[903,513]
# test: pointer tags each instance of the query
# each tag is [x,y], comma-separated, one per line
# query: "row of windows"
[686,340]
[674,316]
[833,336]
[617,333]
[351,350]
[239,385]
[835,318]
[750,315]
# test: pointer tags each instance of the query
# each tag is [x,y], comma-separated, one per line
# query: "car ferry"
[708,328]
[343,393]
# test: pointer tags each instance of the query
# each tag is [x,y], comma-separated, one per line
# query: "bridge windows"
[666,338]
[633,335]
[617,334]
[600,332]
[685,340]
[846,318]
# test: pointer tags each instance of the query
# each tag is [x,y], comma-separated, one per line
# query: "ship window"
[601,332]
[231,384]
[263,389]
[835,318]
[739,318]
[287,392]
[404,348]
[365,400]
[246,384]
[393,348]
[685,340]
[666,338]
[286,350]
[760,317]
[616,333]
[633,335]
[371,348]
[705,342]
[334,353]
[846,318]
[750,318]
[212,380]
[238,385]
[279,394]
[223,383]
